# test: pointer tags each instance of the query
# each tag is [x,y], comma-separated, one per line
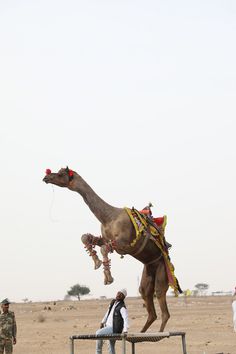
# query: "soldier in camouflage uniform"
[7,328]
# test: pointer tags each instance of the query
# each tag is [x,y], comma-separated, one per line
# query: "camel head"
[62,178]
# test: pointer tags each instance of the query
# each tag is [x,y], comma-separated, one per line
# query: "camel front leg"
[90,242]
[146,290]
[105,249]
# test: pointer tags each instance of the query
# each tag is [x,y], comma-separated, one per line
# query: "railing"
[133,338]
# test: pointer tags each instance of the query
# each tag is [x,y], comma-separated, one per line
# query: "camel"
[118,232]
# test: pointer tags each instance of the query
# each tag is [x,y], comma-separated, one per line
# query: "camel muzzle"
[46,179]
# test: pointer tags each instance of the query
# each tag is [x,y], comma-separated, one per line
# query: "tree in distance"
[78,290]
[202,288]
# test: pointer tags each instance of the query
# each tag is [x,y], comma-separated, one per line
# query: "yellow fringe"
[144,225]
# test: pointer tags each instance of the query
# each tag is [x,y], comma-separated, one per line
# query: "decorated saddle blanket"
[144,225]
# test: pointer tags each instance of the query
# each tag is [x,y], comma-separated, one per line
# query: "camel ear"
[70,173]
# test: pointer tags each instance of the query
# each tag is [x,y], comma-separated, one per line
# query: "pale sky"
[138,97]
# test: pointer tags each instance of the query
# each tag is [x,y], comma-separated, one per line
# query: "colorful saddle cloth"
[143,224]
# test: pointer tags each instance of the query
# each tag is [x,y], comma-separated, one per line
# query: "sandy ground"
[207,322]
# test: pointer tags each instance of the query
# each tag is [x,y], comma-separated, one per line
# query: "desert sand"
[207,322]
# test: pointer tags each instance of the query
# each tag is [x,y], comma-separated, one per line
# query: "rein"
[146,239]
[154,260]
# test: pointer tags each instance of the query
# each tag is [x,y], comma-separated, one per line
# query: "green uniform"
[7,331]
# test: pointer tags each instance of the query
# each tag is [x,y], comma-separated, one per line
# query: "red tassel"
[48,171]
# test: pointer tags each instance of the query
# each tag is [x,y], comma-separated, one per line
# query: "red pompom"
[71,173]
[48,171]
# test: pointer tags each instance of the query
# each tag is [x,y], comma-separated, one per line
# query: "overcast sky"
[138,97]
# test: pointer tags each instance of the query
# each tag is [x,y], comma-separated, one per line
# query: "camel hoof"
[109,281]
[97,264]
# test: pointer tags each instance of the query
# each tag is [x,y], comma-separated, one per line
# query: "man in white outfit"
[115,321]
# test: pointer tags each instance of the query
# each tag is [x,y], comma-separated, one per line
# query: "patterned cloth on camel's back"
[143,225]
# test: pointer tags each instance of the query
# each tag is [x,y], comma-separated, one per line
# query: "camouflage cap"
[5,302]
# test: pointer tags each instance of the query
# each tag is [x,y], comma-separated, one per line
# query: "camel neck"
[102,210]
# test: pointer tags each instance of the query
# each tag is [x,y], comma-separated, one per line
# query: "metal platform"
[133,338]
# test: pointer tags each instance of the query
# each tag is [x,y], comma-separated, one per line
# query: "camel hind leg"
[146,290]
[161,287]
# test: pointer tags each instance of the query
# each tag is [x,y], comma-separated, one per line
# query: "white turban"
[124,292]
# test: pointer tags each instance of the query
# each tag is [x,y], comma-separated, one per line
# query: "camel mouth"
[45,179]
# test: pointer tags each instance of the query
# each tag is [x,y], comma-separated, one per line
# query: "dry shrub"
[41,318]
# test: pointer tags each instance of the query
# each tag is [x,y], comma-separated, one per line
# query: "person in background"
[7,328]
[115,321]
[234,294]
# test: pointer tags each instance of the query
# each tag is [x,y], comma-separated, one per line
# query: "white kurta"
[108,321]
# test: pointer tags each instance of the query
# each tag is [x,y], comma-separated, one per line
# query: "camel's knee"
[146,292]
[86,238]
[141,291]
[90,240]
